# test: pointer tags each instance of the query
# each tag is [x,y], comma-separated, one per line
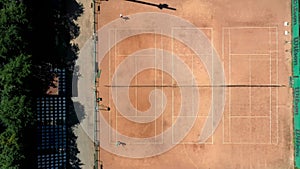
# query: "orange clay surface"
[256,127]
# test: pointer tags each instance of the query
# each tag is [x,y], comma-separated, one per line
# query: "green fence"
[296,79]
[295,31]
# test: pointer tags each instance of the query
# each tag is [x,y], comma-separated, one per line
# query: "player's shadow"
[125,18]
[160,6]
[54,28]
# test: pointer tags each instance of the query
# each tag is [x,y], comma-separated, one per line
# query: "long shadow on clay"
[160,6]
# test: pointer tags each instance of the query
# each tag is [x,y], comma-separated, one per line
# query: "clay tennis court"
[255,130]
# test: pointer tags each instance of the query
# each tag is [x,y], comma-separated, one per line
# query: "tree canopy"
[35,36]
[15,68]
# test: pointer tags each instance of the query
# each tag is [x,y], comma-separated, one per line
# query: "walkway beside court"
[82,87]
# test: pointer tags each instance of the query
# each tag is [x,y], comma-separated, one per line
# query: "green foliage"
[10,149]
[12,22]
[33,39]
[15,112]
[15,69]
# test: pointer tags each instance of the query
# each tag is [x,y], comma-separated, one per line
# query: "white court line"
[200,116]
[142,31]
[121,55]
[189,55]
[277,80]
[198,28]
[263,58]
[109,62]
[270,100]
[192,80]
[137,143]
[192,55]
[155,53]
[162,67]
[247,143]
[140,116]
[229,79]
[223,53]
[172,47]
[250,93]
[194,143]
[189,28]
[116,89]
[223,39]
[249,27]
[109,81]
[212,49]
[249,54]
[252,117]
[135,90]
[232,28]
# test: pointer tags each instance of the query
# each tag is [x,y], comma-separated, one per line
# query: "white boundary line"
[201,116]
[211,142]
[223,57]
[252,117]
[139,143]
[136,89]
[232,28]
[115,60]
[254,54]
[136,80]
[250,27]
[229,79]
[223,39]
[155,53]
[148,31]
[277,80]
[250,94]
[229,75]
[187,55]
[184,28]
[172,48]
[270,89]
[109,82]
[212,63]
[198,28]
[162,71]
[245,143]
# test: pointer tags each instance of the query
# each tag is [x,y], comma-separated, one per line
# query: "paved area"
[82,87]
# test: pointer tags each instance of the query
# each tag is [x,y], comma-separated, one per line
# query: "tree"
[13,22]
[15,69]
[10,155]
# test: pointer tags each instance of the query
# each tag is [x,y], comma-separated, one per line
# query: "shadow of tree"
[52,30]
[75,116]
[76,113]
[75,78]
[74,161]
